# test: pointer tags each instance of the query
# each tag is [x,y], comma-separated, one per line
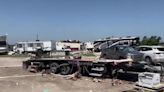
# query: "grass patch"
[89,55]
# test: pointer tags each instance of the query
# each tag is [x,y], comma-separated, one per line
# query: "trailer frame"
[65,66]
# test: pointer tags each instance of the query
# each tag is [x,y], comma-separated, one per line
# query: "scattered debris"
[116,82]
[97,80]
[32,69]
[73,76]
[46,71]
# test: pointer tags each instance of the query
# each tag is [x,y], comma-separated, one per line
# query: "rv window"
[30,45]
[38,44]
[2,42]
[19,45]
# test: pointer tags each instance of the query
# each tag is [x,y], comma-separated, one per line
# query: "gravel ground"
[15,79]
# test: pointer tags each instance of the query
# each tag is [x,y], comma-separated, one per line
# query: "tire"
[54,67]
[41,66]
[39,53]
[148,60]
[65,69]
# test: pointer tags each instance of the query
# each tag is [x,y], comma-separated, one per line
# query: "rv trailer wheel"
[65,69]
[54,67]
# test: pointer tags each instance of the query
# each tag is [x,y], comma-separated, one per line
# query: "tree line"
[152,40]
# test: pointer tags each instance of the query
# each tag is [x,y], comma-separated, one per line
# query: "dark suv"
[121,52]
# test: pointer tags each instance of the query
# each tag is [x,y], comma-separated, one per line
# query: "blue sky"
[80,19]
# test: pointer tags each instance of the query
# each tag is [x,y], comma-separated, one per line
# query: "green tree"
[153,40]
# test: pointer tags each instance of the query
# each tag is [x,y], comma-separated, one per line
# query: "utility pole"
[37,37]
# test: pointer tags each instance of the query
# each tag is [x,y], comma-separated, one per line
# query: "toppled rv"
[103,43]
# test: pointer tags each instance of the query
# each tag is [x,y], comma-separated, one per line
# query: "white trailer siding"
[48,46]
[33,46]
[67,45]
[89,45]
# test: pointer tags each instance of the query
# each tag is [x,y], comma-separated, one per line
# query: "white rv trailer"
[33,46]
[88,46]
[3,44]
[65,45]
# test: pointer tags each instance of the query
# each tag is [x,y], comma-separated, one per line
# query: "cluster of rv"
[111,48]
[46,46]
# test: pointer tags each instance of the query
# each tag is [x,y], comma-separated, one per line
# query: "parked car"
[121,52]
[152,54]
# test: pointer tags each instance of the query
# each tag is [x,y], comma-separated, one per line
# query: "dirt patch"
[12,61]
[51,83]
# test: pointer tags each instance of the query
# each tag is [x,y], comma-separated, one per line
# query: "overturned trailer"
[92,67]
